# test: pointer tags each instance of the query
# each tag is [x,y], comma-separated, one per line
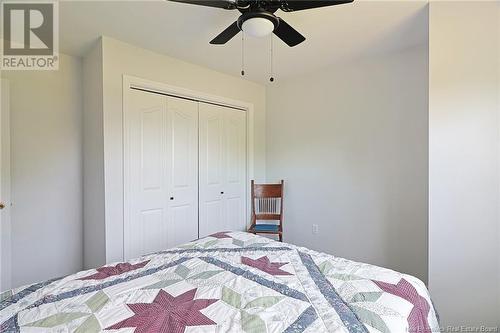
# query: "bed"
[226,282]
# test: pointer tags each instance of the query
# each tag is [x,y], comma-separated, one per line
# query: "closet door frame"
[134,82]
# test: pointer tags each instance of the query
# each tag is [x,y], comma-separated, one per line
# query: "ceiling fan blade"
[226,35]
[224,4]
[288,34]
[294,5]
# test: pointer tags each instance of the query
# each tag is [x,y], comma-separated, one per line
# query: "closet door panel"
[212,169]
[183,170]
[145,184]
[152,232]
[222,169]
[235,177]
[151,148]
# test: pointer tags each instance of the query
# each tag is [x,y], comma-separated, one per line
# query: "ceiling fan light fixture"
[257,27]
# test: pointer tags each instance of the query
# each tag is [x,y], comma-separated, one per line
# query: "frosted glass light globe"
[257,27]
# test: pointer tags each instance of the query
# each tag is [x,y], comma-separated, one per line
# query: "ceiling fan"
[257,17]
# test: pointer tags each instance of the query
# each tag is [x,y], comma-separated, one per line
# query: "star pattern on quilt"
[107,271]
[265,265]
[167,313]
[220,235]
[417,319]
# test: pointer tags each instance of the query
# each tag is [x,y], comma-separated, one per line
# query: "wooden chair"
[267,204]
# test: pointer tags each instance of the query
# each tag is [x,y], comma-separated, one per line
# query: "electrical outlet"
[315,229]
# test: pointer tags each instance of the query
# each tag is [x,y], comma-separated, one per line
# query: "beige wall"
[93,160]
[46,171]
[351,143]
[464,154]
[119,58]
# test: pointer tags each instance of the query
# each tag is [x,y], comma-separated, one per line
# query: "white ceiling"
[334,34]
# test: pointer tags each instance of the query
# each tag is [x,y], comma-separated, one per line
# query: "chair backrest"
[267,201]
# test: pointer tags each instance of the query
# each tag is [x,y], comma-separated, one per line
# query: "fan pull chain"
[271,61]
[242,54]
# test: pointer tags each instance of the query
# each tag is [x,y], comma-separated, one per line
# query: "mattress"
[226,282]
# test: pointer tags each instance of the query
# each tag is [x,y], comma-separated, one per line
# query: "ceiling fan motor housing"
[262,14]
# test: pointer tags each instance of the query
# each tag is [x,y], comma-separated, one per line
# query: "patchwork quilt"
[226,282]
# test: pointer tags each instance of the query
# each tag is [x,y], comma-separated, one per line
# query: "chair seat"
[266,227]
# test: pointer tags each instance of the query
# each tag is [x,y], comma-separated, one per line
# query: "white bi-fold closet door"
[222,154]
[161,172]
[184,170]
